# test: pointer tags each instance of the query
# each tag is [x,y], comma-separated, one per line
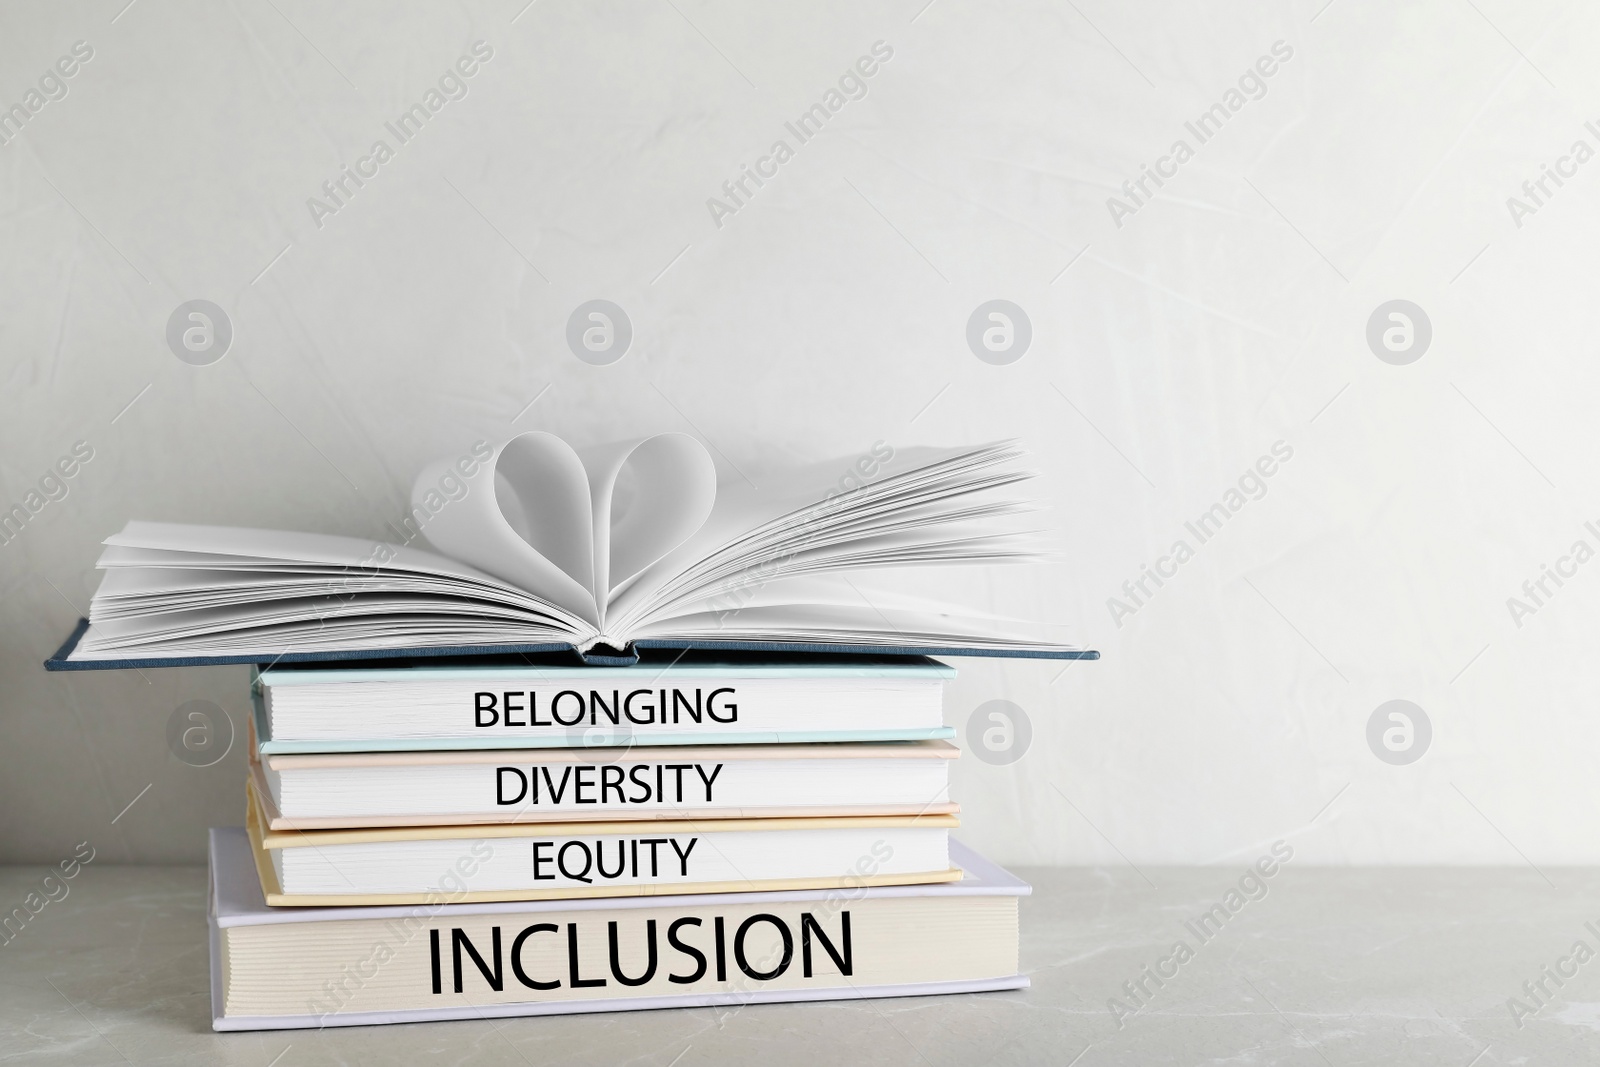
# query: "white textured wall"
[1169,353]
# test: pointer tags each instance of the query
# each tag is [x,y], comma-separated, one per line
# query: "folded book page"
[570,528]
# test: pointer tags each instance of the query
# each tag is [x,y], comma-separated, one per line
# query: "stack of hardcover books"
[628,739]
[492,837]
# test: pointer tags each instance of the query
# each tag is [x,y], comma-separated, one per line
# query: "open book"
[540,548]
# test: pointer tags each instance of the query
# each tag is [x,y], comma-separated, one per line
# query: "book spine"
[650,788]
[565,715]
[596,956]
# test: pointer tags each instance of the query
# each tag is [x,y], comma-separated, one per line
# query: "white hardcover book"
[282,968]
[664,699]
[338,790]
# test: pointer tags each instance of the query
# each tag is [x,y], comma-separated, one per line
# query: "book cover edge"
[62,659]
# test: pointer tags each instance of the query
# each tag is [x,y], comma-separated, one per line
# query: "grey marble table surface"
[1331,967]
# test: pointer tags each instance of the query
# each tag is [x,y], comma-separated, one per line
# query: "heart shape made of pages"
[573,529]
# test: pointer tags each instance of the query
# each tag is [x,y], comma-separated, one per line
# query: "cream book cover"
[520,861]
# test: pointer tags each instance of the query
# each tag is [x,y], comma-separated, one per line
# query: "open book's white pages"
[543,546]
